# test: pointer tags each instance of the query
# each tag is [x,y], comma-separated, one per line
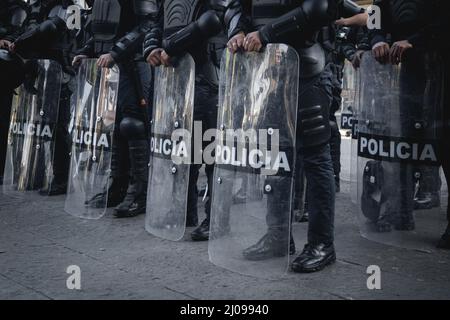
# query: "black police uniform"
[118,28]
[178,35]
[46,36]
[298,23]
[341,43]
[404,20]
[12,16]
[423,24]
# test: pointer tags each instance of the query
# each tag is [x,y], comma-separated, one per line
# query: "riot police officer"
[46,36]
[298,26]
[12,16]
[410,31]
[182,35]
[118,29]
[341,43]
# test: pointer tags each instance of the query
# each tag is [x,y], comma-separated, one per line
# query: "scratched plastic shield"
[253,176]
[400,185]
[31,139]
[92,126]
[170,149]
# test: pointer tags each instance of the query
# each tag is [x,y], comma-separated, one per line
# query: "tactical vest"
[105,24]
[112,19]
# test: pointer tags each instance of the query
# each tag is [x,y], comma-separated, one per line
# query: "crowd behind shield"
[105,113]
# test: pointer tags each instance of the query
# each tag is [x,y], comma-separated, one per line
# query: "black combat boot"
[272,244]
[117,189]
[202,232]
[112,196]
[314,258]
[136,199]
[427,200]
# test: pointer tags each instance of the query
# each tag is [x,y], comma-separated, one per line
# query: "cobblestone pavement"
[119,260]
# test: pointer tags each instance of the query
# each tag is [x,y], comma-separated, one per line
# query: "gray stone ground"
[119,260]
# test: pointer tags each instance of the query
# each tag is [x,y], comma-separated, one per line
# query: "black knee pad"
[314,124]
[133,129]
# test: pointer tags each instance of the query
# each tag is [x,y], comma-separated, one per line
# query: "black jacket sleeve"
[153,38]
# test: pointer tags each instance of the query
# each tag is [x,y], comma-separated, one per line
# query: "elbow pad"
[44,33]
[126,45]
[208,25]
[311,14]
[350,9]
[18,17]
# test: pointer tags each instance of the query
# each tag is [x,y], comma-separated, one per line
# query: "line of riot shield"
[31,138]
[92,126]
[399,125]
[170,149]
[254,158]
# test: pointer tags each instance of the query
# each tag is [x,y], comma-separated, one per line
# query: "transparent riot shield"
[170,152]
[31,138]
[92,127]
[399,185]
[254,158]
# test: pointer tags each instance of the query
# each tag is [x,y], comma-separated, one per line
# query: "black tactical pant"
[316,162]
[5,116]
[205,110]
[128,106]
[415,110]
[61,161]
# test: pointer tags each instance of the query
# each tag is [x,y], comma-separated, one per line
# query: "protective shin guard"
[135,200]
[117,188]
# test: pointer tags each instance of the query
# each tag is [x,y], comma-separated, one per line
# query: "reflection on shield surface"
[170,149]
[253,177]
[399,181]
[31,139]
[92,127]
